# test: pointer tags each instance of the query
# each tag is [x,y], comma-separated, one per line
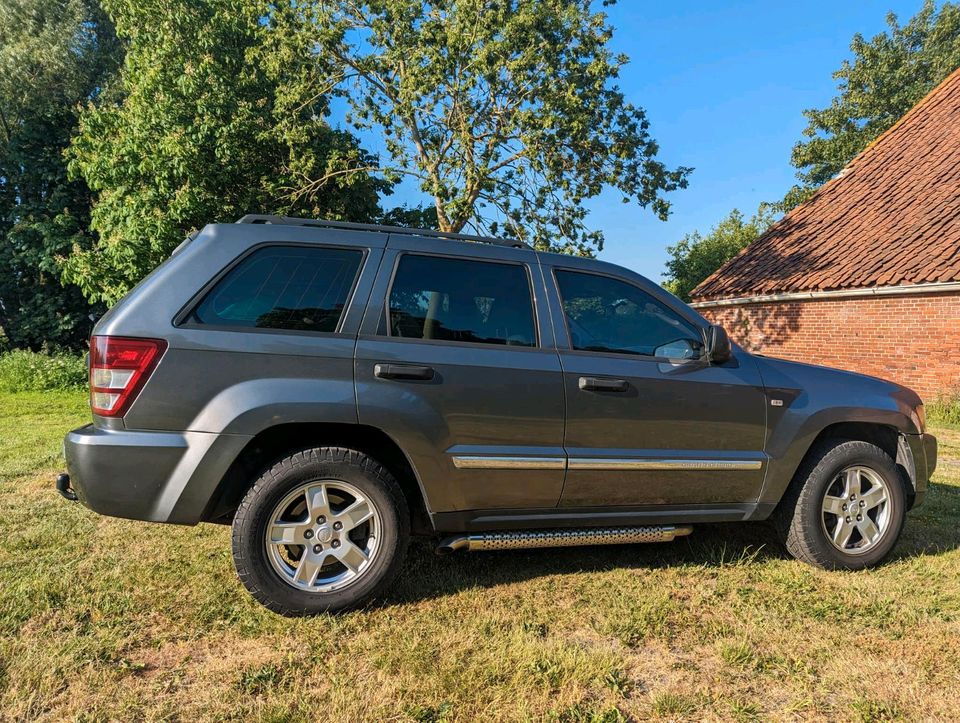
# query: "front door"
[459,367]
[650,421]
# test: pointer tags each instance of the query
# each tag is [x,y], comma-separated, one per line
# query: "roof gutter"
[939,287]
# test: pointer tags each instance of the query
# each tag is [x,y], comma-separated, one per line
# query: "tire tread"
[273,476]
[800,526]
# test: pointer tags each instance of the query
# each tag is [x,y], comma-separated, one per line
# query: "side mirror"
[718,344]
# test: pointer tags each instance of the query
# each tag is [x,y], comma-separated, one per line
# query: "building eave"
[939,287]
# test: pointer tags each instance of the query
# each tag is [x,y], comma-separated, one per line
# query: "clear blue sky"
[724,85]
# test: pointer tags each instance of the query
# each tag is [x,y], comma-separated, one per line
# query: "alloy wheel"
[856,510]
[323,535]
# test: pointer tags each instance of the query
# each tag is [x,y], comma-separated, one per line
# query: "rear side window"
[283,287]
[461,300]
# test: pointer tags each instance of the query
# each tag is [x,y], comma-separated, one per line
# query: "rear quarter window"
[283,287]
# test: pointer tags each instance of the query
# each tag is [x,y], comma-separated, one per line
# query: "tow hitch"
[63,487]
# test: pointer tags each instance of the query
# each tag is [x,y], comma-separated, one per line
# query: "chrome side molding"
[463,461]
[507,462]
[602,463]
[561,538]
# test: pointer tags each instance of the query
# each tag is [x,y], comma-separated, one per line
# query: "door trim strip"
[601,463]
[504,462]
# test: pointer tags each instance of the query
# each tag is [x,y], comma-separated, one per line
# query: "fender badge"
[776,402]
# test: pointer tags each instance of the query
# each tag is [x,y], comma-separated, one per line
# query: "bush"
[945,411]
[27,371]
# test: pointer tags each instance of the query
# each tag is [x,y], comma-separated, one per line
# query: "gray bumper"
[156,476]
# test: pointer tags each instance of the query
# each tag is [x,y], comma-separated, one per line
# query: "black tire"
[252,519]
[800,516]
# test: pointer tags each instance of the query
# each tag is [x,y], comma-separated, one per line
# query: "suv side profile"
[331,389]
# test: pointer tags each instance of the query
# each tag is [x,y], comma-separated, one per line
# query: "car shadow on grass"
[932,529]
[427,575]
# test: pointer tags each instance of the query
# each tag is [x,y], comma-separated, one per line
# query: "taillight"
[119,367]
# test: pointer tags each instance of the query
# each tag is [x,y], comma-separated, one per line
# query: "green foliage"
[695,257]
[888,75]
[53,55]
[27,371]
[506,114]
[218,112]
[944,412]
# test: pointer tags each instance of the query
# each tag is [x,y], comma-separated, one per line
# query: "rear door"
[456,361]
[649,420]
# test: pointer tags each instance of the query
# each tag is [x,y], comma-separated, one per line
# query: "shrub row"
[27,371]
[944,412]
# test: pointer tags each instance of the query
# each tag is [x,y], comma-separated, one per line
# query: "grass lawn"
[109,619]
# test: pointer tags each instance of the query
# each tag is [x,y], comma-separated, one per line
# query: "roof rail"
[346,225]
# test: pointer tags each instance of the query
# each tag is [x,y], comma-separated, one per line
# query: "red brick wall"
[913,340]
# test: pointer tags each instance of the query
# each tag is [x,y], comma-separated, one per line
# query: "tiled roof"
[891,217]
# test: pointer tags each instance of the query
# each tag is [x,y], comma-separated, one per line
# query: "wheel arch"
[887,437]
[275,442]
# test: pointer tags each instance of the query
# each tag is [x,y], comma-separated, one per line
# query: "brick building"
[866,274]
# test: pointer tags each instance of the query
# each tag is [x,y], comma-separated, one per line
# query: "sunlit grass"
[111,619]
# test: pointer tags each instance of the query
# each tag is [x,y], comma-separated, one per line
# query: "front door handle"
[596,384]
[402,371]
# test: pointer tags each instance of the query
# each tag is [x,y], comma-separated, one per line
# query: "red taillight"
[119,367]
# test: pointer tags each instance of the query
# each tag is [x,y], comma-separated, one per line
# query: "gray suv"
[331,389]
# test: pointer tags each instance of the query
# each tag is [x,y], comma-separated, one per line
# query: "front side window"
[461,300]
[609,315]
[283,287]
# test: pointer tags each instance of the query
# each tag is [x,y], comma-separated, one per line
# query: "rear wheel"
[322,530]
[848,510]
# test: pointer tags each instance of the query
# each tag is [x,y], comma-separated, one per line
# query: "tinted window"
[283,287]
[604,314]
[461,300]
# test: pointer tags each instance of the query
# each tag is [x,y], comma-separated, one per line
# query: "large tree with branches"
[505,113]
[217,111]
[54,54]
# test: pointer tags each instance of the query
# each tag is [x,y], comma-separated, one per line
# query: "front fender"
[814,398]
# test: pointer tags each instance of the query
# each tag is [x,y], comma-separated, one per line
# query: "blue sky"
[724,86]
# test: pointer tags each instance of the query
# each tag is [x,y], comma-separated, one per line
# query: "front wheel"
[848,509]
[322,530]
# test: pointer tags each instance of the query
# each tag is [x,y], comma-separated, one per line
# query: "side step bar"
[561,538]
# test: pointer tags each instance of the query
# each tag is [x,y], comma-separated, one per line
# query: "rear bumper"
[155,476]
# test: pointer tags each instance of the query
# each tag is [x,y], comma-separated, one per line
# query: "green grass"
[112,619]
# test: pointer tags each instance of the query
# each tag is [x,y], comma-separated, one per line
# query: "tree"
[216,114]
[505,113]
[888,75]
[695,257]
[53,55]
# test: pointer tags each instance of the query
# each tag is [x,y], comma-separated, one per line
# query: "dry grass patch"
[111,619]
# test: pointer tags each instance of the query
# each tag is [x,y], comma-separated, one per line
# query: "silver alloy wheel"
[323,535]
[856,510]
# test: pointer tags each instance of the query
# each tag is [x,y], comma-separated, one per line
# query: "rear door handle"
[596,384]
[402,371]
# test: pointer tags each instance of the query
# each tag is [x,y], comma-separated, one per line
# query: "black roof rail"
[349,226]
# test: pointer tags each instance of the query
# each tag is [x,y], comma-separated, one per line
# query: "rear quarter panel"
[244,380]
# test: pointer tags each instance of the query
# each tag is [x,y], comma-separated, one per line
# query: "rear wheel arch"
[274,443]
